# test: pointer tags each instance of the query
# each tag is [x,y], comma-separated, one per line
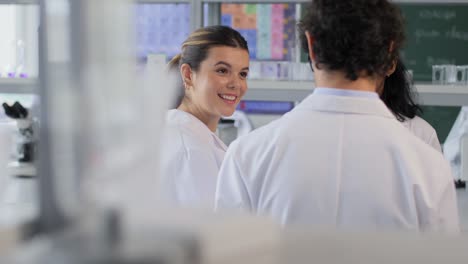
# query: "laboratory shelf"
[308,1]
[256,1]
[428,93]
[18,86]
[293,91]
[21,169]
[19,2]
[164,1]
[32,2]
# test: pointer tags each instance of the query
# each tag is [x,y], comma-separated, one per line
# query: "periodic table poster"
[161,28]
[268,28]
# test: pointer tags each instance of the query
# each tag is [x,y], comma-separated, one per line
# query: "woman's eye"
[244,74]
[221,71]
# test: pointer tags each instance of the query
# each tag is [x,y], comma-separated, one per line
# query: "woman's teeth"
[228,97]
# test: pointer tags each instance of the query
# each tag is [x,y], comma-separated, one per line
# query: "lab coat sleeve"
[231,191]
[448,218]
[442,214]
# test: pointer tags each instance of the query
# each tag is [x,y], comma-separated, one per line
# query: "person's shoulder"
[257,138]
[417,143]
[262,132]
[417,123]
[423,130]
[182,135]
[403,136]
[178,118]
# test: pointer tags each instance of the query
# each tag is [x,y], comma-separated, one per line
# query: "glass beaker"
[450,73]
[438,74]
[462,74]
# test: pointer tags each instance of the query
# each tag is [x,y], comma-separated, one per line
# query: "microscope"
[25,140]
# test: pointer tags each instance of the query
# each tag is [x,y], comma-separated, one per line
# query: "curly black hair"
[358,37]
[398,94]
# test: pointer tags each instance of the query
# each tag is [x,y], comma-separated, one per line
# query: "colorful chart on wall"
[268,28]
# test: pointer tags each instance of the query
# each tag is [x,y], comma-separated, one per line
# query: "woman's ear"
[186,73]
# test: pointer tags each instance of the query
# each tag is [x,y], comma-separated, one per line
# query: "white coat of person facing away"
[340,159]
[213,65]
[397,94]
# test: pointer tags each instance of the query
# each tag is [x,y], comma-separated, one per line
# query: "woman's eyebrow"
[229,65]
[223,63]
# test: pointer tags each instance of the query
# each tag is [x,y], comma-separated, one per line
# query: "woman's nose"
[234,82]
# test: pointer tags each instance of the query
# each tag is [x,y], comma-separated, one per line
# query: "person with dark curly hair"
[398,95]
[340,158]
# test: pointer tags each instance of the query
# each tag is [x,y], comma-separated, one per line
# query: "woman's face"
[220,82]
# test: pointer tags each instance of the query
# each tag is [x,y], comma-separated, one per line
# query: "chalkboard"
[441,118]
[436,34]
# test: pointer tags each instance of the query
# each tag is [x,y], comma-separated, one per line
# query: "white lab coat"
[423,130]
[452,145]
[190,161]
[343,162]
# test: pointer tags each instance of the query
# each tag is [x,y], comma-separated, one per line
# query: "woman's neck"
[211,121]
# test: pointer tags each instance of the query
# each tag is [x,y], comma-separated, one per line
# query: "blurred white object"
[208,238]
[7,129]
[456,147]
[22,169]
[333,247]
[255,70]
[240,125]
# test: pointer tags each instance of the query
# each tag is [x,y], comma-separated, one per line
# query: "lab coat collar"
[197,126]
[345,104]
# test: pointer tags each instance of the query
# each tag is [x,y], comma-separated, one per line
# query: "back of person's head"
[398,93]
[357,37]
[196,47]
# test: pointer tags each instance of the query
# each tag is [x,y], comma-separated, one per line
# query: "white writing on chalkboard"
[437,14]
[452,33]
[456,34]
[423,33]
[437,61]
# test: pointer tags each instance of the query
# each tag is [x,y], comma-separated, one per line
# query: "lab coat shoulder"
[247,162]
[423,130]
[259,145]
[415,154]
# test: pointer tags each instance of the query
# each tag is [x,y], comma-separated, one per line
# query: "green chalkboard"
[436,34]
[441,118]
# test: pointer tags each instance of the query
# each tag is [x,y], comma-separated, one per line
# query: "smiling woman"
[213,65]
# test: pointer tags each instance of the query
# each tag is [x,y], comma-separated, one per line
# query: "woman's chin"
[229,112]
